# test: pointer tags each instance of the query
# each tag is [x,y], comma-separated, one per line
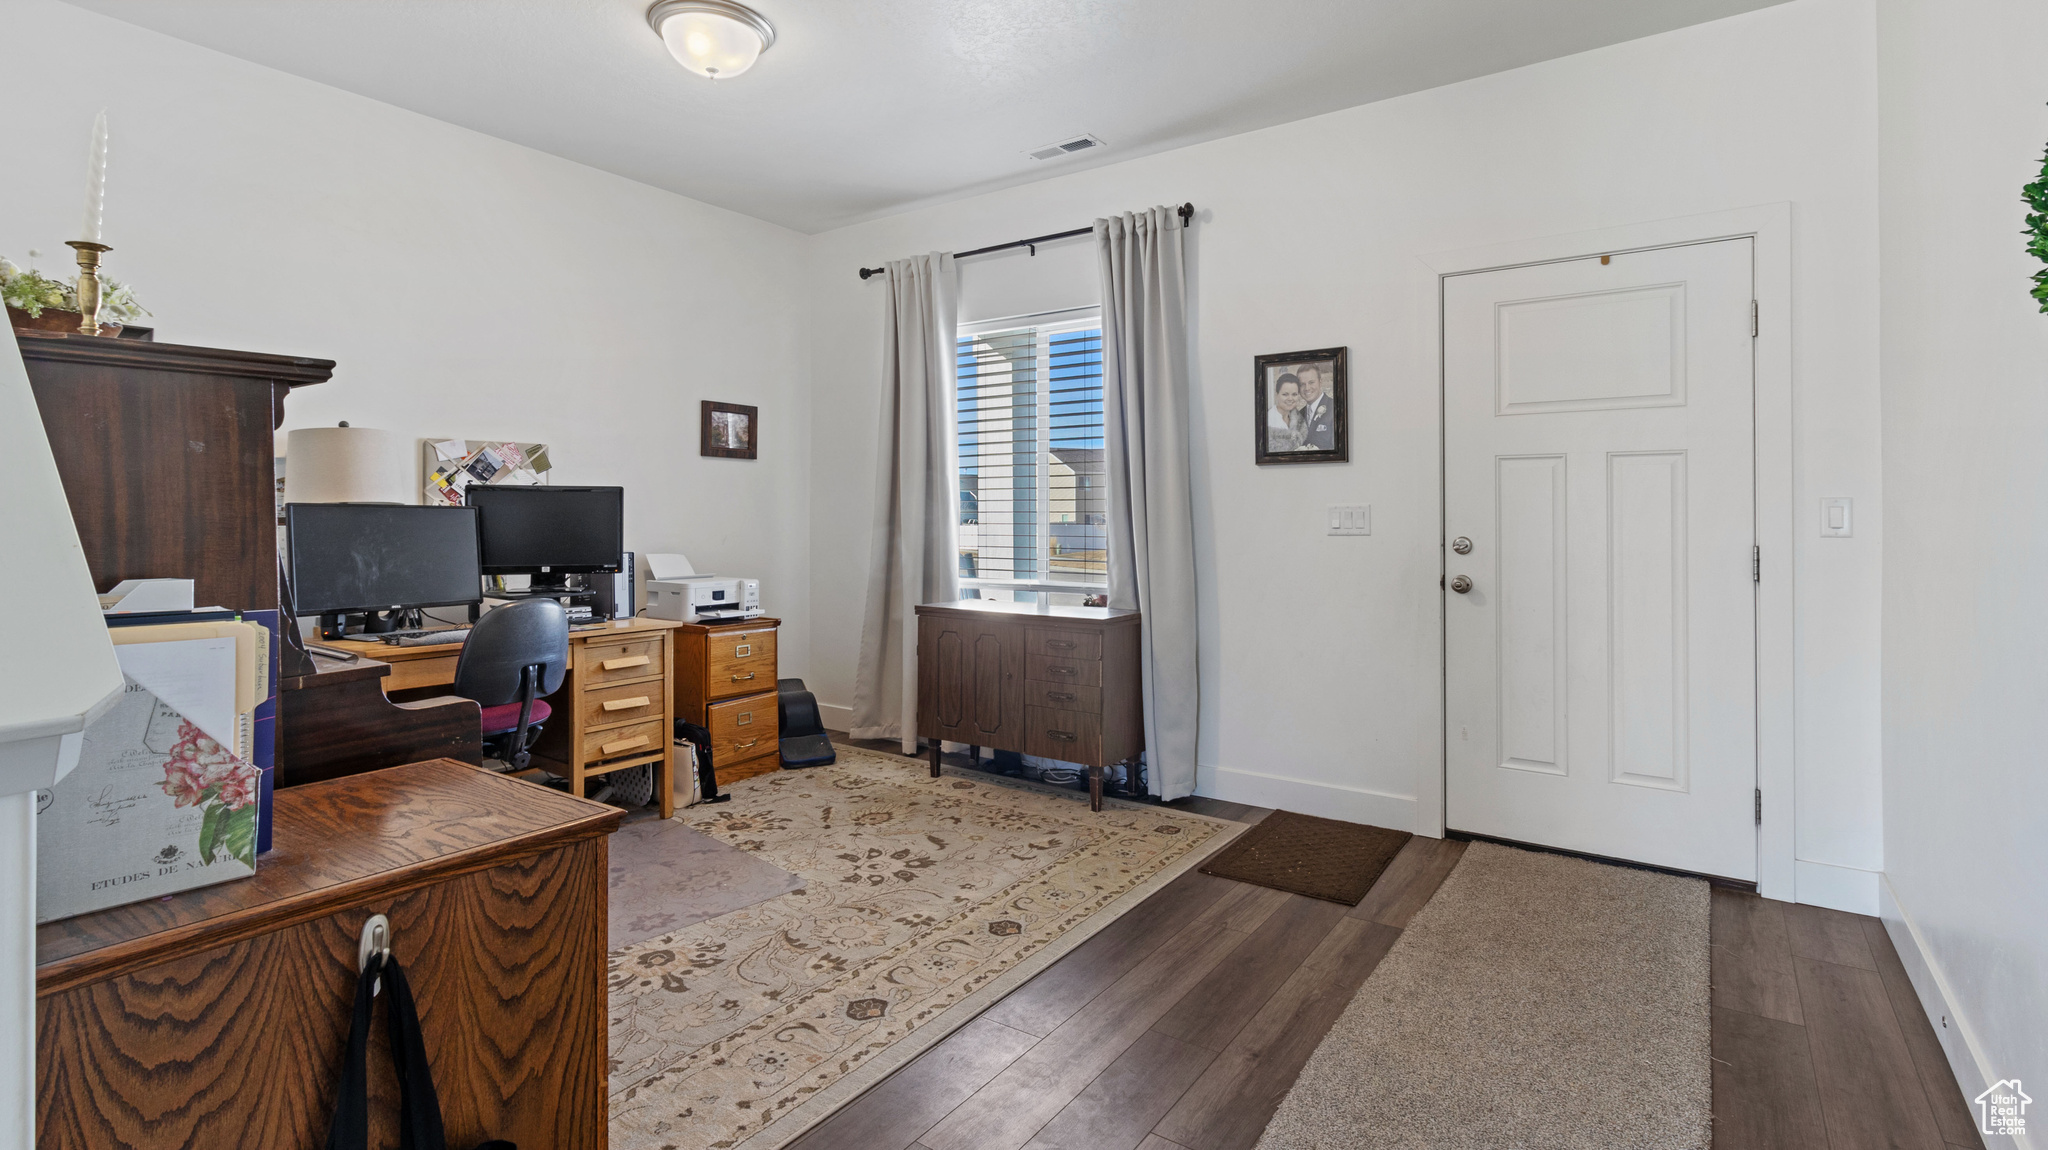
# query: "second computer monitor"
[548,532]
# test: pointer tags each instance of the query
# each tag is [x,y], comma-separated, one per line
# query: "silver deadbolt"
[1462,545]
[1461,584]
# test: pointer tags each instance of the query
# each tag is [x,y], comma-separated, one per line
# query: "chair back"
[506,641]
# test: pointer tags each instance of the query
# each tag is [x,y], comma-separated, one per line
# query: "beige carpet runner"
[1536,1001]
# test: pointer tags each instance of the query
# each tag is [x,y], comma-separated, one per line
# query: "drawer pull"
[743,678]
[743,650]
[1060,644]
[1062,736]
[626,704]
[629,661]
[744,746]
[1063,670]
[1055,696]
[624,745]
[745,718]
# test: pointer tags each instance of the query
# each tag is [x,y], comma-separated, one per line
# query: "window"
[1032,502]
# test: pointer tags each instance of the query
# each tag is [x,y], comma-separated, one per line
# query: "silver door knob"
[1461,584]
[1462,545]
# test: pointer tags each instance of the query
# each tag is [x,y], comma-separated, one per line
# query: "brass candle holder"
[88,283]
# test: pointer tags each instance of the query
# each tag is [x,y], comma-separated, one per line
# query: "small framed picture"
[731,430]
[1301,411]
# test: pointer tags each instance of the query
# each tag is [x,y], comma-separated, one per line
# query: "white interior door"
[1599,458]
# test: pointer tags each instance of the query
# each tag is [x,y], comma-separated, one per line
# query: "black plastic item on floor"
[804,741]
[707,781]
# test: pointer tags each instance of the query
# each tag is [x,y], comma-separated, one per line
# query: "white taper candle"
[96,180]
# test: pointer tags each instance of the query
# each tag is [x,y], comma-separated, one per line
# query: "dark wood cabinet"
[218,1016]
[166,456]
[1059,682]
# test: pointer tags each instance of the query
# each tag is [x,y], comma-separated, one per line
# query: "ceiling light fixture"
[714,38]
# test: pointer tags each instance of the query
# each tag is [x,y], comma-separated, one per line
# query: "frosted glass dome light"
[714,38]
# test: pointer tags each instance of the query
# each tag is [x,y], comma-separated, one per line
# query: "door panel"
[1600,671]
[972,680]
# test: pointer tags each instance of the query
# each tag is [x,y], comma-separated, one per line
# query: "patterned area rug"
[924,900]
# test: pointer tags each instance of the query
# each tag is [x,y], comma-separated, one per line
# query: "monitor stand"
[337,625]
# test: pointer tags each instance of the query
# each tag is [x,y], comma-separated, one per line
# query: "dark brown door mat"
[1302,854]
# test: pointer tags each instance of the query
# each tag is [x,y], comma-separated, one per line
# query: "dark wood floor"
[1181,1025]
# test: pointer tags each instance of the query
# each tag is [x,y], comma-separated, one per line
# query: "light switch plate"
[1355,519]
[1837,519]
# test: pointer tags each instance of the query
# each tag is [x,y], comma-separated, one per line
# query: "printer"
[676,590]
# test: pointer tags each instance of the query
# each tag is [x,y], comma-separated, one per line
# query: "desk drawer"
[1063,697]
[626,703]
[643,738]
[743,728]
[1063,644]
[739,662]
[1070,735]
[601,663]
[1063,670]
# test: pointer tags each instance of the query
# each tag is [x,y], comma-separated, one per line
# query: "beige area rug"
[1536,1001]
[923,901]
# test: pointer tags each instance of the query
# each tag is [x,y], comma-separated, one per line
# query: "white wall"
[1965,355]
[466,287]
[1321,657]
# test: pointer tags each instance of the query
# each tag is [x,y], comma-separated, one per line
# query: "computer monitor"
[372,557]
[549,532]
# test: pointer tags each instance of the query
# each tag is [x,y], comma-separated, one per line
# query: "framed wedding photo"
[1301,407]
[731,430]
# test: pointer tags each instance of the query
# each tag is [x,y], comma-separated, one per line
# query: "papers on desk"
[166,796]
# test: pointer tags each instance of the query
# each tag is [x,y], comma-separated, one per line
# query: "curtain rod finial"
[867,273]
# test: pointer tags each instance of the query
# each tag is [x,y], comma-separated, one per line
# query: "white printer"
[675,590]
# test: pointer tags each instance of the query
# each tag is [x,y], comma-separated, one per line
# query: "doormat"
[1302,854]
[1536,1000]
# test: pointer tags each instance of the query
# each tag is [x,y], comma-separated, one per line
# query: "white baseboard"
[836,717]
[1352,804]
[1958,1038]
[1835,887]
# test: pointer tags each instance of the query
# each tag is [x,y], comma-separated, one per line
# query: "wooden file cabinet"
[1059,683]
[725,682]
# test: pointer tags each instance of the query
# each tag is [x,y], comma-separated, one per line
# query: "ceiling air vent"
[1066,147]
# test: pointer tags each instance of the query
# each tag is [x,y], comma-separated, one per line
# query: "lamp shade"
[348,465]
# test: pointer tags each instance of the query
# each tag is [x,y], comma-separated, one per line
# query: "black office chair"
[514,656]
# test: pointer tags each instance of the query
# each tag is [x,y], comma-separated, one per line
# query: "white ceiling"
[862,109]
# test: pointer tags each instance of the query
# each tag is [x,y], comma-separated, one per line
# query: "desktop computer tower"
[615,593]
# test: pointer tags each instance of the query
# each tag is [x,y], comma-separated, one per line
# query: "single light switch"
[1352,520]
[1835,518]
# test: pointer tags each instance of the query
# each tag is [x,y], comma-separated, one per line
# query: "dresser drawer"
[1063,644]
[1063,697]
[601,663]
[626,703]
[739,662]
[1063,670]
[1074,736]
[643,738]
[743,728]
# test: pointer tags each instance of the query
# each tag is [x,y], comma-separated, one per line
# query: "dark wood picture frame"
[1337,391]
[710,444]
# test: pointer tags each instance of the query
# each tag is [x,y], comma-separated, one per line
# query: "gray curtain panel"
[916,557]
[1151,515]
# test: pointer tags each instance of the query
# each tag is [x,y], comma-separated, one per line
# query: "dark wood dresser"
[1056,682]
[218,1016]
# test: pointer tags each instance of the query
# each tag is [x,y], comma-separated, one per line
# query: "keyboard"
[437,638]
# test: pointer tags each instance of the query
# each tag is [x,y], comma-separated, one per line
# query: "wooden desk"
[615,709]
[336,720]
[218,1016]
[1059,683]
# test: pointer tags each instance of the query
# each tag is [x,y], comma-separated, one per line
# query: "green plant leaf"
[238,835]
[2036,197]
[209,833]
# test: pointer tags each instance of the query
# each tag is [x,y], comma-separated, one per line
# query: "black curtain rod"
[1187,212]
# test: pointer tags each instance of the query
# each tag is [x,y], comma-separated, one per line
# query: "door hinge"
[1755,321]
[1759,806]
[1756,564]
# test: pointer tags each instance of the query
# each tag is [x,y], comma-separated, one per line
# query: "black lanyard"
[419,1107]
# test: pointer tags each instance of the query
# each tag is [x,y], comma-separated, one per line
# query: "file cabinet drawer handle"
[743,678]
[621,664]
[1062,736]
[633,703]
[744,746]
[624,745]
[1060,696]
